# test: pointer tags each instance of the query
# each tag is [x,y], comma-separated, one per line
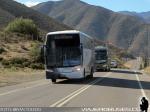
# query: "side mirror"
[81,48]
[43,53]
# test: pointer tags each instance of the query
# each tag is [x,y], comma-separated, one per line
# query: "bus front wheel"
[84,75]
[53,80]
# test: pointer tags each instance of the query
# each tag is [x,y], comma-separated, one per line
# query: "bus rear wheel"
[84,75]
[91,73]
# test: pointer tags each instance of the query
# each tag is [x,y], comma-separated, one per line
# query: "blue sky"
[115,5]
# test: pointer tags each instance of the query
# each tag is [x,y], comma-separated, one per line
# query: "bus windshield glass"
[101,54]
[63,50]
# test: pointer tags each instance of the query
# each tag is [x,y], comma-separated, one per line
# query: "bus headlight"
[77,69]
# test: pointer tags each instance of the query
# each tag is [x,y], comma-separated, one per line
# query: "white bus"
[68,54]
[102,58]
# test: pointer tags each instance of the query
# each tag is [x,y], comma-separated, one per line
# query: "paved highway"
[118,88]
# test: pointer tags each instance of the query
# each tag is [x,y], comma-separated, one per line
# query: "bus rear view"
[63,55]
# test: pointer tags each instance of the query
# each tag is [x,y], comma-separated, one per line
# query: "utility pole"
[148,46]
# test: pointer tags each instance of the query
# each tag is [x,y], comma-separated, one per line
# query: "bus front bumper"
[71,75]
[51,75]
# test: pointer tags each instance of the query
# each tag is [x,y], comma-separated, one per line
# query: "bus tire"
[84,77]
[53,80]
[108,69]
[91,73]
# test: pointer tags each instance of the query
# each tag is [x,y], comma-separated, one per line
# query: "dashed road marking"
[66,99]
[17,90]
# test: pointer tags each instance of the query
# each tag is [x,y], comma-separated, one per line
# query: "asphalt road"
[117,89]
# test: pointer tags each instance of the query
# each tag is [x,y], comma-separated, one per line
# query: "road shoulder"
[9,77]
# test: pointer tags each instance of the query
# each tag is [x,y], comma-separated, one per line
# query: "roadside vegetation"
[121,56]
[125,59]
[23,26]
[147,70]
[20,45]
[145,65]
[20,59]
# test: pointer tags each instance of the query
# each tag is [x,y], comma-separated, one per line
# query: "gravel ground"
[11,77]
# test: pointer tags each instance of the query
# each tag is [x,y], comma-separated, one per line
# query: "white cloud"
[30,3]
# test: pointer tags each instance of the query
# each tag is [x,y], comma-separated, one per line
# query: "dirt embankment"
[147,70]
[129,64]
[11,77]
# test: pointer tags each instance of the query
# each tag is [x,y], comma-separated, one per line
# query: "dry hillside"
[122,30]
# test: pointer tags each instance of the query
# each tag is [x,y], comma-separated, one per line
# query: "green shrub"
[21,63]
[27,64]
[127,55]
[5,62]
[1,58]
[15,62]
[37,66]
[35,52]
[24,26]
[2,50]
[18,60]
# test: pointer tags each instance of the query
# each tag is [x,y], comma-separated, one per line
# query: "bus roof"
[64,32]
[68,32]
[100,48]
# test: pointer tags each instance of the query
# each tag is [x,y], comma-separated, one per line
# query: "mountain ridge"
[12,9]
[143,15]
[124,31]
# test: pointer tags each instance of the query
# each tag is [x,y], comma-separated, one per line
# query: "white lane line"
[64,100]
[17,90]
[82,90]
[140,85]
[142,90]
[53,105]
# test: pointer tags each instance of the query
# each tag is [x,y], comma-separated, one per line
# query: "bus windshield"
[63,50]
[101,55]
